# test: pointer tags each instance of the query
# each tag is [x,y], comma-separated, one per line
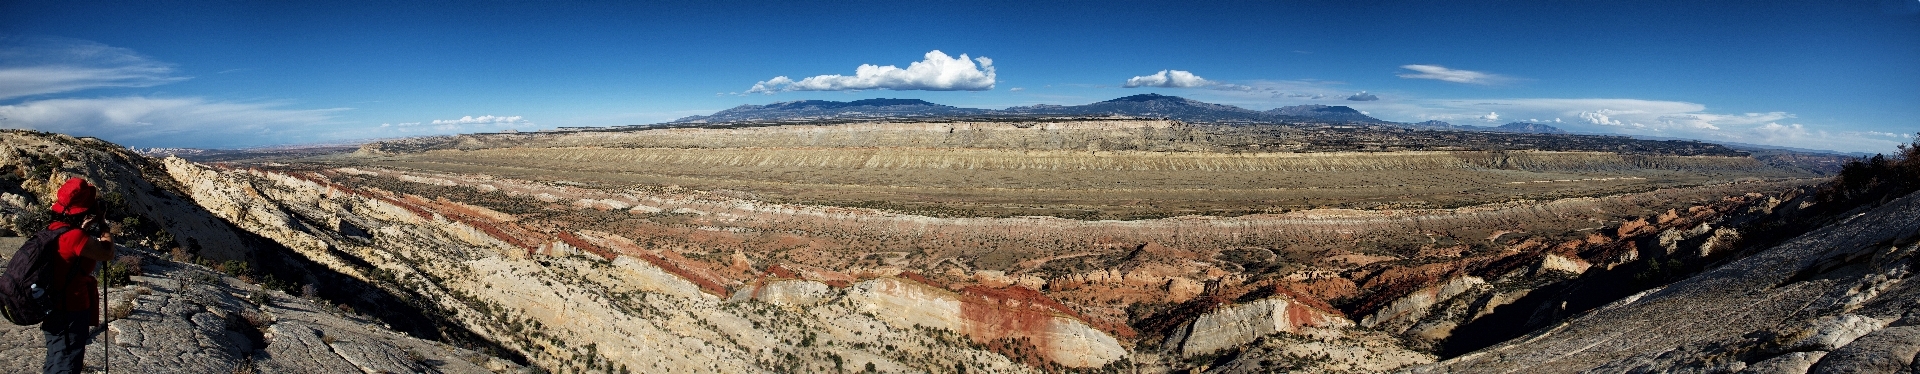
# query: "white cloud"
[1775,132]
[486,119]
[466,123]
[1604,117]
[1644,117]
[1363,96]
[39,65]
[1894,135]
[1170,79]
[938,72]
[1490,117]
[1016,89]
[1437,72]
[180,122]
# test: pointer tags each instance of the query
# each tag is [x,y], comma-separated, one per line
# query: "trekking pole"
[106,334]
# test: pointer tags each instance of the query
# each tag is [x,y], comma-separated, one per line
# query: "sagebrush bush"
[120,271]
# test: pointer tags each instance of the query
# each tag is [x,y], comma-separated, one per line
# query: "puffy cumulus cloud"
[1169,79]
[1604,117]
[937,72]
[40,65]
[1490,117]
[174,122]
[1442,73]
[1363,96]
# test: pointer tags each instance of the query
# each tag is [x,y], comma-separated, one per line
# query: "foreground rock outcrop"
[1835,300]
[185,318]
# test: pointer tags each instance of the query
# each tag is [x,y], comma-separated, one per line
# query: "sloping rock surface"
[1766,311]
[187,318]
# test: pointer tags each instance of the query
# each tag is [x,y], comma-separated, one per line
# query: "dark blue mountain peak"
[1146,97]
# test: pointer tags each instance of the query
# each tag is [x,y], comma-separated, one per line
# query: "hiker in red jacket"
[85,246]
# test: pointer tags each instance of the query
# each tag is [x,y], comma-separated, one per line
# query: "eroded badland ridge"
[1016,245]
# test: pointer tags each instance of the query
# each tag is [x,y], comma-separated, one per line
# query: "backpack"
[27,292]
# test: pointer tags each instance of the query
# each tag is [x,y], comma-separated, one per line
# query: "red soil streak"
[1297,317]
[1322,289]
[1636,227]
[691,275]
[1304,300]
[778,271]
[1397,282]
[922,279]
[417,211]
[479,222]
[830,277]
[567,237]
[1016,303]
[1009,320]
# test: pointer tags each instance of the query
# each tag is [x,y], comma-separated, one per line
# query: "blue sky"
[1839,75]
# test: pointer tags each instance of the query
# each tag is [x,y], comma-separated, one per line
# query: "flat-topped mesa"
[1064,134]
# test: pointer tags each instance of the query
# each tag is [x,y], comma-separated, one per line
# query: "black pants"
[66,341]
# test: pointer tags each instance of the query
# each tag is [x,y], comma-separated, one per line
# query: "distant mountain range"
[1519,127]
[1143,105]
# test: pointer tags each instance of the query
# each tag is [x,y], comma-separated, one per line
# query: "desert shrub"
[232,268]
[270,282]
[120,271]
[259,298]
[256,319]
[1878,175]
[178,254]
[120,310]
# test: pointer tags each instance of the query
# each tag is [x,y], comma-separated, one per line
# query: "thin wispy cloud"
[1442,73]
[937,72]
[31,66]
[191,122]
[1663,118]
[464,123]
